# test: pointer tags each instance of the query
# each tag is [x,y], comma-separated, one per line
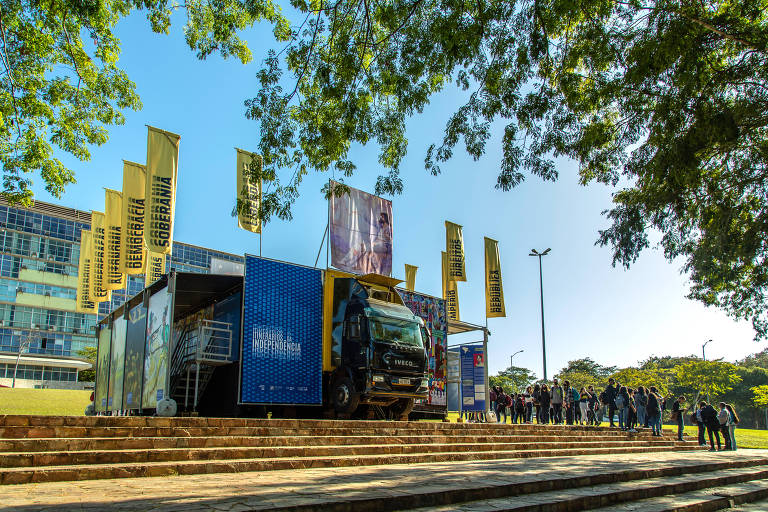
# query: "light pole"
[513,355]
[534,252]
[703,354]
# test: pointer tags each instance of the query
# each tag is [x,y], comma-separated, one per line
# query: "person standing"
[701,428]
[544,401]
[568,402]
[678,411]
[654,411]
[528,395]
[622,404]
[557,402]
[584,406]
[492,397]
[641,403]
[501,404]
[732,425]
[610,399]
[709,417]
[594,405]
[724,417]
[537,402]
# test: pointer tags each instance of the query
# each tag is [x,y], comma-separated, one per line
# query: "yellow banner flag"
[132,220]
[248,192]
[410,277]
[454,246]
[155,267]
[84,302]
[114,279]
[160,194]
[494,292]
[98,292]
[450,292]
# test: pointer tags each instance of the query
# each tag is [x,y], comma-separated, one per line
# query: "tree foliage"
[666,97]
[60,83]
[89,354]
[711,378]
[760,396]
[514,379]
[635,377]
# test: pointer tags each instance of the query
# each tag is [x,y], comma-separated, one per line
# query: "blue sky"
[614,316]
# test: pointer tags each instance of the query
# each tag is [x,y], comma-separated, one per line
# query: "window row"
[10,266]
[41,224]
[28,317]
[50,343]
[9,290]
[34,372]
[35,246]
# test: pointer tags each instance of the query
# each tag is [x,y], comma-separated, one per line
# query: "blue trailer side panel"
[282,333]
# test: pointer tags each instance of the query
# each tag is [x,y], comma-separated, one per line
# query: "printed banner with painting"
[134,356]
[157,350]
[360,232]
[432,311]
[102,369]
[117,366]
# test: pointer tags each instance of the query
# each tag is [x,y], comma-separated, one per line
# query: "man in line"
[557,402]
[610,399]
[677,416]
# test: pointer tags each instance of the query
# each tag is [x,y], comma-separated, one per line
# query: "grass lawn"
[50,402]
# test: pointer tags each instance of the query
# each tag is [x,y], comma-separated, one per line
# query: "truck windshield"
[395,331]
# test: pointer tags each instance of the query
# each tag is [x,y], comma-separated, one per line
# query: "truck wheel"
[345,398]
[401,409]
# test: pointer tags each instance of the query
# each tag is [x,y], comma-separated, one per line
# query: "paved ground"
[253,491]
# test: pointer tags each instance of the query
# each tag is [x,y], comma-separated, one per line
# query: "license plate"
[403,381]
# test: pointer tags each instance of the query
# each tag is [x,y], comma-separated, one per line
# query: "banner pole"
[322,242]
[328,227]
[485,369]
[260,236]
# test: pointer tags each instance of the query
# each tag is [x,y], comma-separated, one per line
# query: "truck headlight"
[378,378]
[425,383]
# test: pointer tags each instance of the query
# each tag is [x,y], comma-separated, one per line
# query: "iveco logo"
[396,361]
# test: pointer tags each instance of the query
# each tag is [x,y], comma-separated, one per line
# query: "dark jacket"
[544,399]
[709,417]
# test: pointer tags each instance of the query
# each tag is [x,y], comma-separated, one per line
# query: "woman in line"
[536,402]
[528,404]
[654,411]
[622,407]
[732,425]
[583,406]
[544,399]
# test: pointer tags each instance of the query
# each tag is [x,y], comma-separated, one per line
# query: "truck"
[282,339]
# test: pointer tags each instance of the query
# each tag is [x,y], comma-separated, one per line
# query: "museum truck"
[279,339]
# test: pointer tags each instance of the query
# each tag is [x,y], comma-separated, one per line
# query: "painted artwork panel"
[157,349]
[117,365]
[134,356]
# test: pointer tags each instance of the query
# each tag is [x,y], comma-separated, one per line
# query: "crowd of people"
[629,409]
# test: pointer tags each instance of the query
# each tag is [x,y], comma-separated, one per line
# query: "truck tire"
[401,409]
[345,398]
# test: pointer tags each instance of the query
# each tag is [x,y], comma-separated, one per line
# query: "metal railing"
[214,345]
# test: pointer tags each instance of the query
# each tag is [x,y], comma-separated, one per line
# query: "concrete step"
[735,498]
[616,496]
[296,429]
[119,443]
[126,470]
[70,457]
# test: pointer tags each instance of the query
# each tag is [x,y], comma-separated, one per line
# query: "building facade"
[39,256]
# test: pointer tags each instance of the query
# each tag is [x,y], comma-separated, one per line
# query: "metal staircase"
[201,348]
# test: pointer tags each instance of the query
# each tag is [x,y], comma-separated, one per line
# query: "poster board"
[157,348]
[282,333]
[102,369]
[117,366]
[432,311]
[134,356]
[472,360]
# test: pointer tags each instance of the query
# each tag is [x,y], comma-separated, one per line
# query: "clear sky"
[614,316]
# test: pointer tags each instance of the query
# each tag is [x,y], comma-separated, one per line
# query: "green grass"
[745,437]
[49,402]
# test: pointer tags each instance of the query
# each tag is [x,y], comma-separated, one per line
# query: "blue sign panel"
[472,360]
[282,359]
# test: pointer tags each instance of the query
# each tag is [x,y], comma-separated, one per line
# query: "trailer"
[282,339]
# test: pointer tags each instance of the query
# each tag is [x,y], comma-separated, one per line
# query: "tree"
[760,396]
[89,354]
[634,378]
[666,97]
[61,86]
[741,395]
[711,378]
[757,360]
[514,379]
[589,367]
[579,379]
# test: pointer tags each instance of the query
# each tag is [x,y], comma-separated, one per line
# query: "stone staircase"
[50,449]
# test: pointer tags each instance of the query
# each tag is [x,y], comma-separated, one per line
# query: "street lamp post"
[534,252]
[513,355]
[703,354]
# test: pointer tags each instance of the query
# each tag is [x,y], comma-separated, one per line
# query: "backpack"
[575,394]
[619,401]
[653,404]
[642,399]
[508,401]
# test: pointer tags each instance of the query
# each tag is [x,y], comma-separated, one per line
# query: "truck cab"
[377,357]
